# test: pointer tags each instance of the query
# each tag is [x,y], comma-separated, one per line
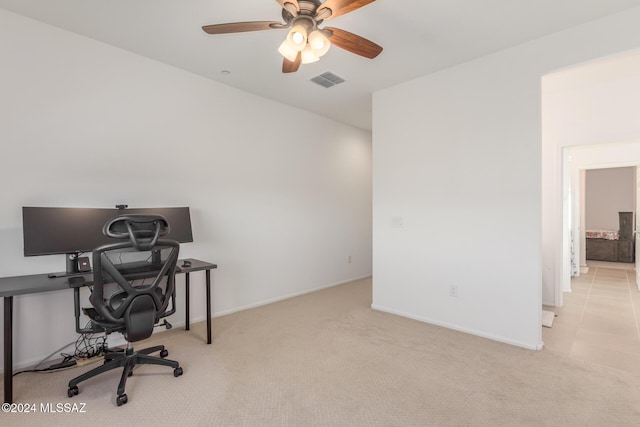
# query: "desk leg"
[8,349]
[186,297]
[208,273]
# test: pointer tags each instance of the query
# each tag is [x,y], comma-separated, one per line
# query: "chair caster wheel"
[164,353]
[122,399]
[73,391]
[177,372]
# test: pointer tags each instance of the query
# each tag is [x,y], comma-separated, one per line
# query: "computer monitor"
[72,231]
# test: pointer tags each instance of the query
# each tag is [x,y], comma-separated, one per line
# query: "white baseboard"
[498,338]
[285,297]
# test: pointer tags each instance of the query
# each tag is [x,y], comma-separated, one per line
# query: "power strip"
[84,362]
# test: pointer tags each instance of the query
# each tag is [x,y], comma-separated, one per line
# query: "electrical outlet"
[349,259]
[453,291]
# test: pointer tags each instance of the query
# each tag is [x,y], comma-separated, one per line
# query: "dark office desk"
[38,283]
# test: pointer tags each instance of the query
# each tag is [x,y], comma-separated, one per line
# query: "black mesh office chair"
[141,274]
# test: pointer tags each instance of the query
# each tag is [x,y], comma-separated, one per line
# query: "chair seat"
[100,324]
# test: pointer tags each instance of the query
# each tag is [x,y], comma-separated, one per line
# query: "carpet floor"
[328,359]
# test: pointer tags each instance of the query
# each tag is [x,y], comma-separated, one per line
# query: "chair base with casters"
[127,360]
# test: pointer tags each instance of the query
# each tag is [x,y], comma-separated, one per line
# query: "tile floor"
[599,321]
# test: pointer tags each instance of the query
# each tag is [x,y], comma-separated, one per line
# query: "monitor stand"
[72,263]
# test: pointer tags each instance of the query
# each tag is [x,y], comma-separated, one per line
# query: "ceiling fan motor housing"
[307,10]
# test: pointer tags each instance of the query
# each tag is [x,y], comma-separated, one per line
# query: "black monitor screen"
[48,230]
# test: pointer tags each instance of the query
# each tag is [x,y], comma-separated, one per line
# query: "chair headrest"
[142,230]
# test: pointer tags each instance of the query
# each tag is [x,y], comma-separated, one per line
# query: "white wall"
[458,155]
[608,191]
[279,197]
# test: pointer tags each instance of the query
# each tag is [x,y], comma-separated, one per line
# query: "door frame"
[571,186]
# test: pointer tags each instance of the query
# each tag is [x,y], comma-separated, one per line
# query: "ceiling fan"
[306,42]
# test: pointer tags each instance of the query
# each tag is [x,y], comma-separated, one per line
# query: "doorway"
[602,207]
[592,105]
[591,109]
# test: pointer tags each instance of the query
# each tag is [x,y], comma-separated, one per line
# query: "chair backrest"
[143,270]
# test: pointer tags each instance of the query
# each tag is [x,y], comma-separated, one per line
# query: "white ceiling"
[418,36]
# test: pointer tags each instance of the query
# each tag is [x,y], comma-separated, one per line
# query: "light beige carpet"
[327,359]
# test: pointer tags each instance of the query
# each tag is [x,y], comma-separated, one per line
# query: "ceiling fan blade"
[241,27]
[354,43]
[340,7]
[283,4]
[291,67]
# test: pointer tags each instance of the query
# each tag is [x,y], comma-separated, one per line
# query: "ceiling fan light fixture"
[319,42]
[297,37]
[309,55]
[287,51]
